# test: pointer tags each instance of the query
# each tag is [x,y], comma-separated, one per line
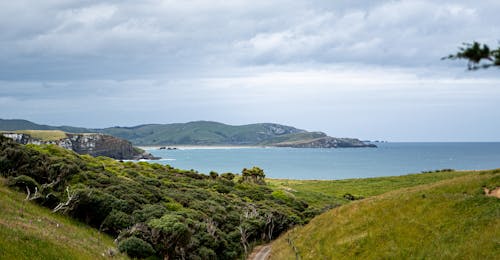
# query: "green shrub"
[116,221]
[23,181]
[136,247]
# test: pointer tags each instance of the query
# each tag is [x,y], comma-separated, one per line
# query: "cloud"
[307,63]
[126,39]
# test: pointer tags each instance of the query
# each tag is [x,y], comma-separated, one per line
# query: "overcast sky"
[366,69]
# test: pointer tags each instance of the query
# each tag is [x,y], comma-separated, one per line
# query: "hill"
[29,231]
[166,212]
[449,219]
[205,133]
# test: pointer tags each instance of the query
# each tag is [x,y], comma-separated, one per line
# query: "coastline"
[199,147]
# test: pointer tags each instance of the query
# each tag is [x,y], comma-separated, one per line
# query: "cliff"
[87,143]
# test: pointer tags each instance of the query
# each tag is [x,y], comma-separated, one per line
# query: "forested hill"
[205,133]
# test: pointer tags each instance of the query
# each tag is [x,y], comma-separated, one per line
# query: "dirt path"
[260,253]
[492,193]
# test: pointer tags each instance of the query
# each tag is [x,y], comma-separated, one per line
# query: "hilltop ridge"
[205,133]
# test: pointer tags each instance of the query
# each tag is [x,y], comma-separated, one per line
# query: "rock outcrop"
[326,142]
[91,143]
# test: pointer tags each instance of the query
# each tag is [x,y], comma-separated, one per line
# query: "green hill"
[152,208]
[28,231]
[203,133]
[450,219]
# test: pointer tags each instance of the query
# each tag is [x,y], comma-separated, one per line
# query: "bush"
[136,247]
[22,182]
[116,221]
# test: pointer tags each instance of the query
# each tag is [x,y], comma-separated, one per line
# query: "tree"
[475,53]
[170,234]
[255,175]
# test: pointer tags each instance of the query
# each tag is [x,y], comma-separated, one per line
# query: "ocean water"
[389,159]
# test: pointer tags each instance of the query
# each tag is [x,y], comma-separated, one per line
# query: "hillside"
[164,211]
[29,231]
[205,133]
[324,194]
[445,220]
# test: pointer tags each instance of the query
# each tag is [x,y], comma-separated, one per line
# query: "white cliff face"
[93,144]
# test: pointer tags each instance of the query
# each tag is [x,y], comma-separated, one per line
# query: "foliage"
[136,247]
[449,219]
[23,182]
[181,214]
[29,231]
[476,52]
[254,175]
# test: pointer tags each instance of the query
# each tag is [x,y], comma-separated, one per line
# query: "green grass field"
[321,193]
[29,231]
[449,219]
[44,135]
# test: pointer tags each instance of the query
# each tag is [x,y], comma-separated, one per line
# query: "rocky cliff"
[326,142]
[91,143]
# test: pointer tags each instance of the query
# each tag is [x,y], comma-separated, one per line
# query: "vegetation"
[28,231]
[179,214]
[44,135]
[475,53]
[449,219]
[323,194]
[156,210]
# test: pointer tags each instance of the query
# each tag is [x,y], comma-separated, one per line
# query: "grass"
[29,231]
[44,135]
[448,219]
[321,194]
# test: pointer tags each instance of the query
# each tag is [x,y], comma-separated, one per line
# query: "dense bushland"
[154,209]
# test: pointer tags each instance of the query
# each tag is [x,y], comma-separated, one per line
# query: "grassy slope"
[444,220]
[321,193]
[37,233]
[44,135]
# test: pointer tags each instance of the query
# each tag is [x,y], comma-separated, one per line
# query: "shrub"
[116,221]
[228,176]
[22,182]
[136,247]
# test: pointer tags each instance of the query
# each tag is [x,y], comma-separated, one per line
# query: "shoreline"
[196,147]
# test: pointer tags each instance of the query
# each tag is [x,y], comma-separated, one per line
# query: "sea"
[389,159]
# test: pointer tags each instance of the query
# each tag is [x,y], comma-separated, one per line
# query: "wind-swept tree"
[475,53]
[255,175]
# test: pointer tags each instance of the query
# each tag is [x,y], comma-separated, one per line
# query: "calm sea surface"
[386,160]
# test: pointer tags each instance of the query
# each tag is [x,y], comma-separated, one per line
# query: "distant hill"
[205,133]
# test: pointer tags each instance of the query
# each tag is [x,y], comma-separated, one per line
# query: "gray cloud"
[307,63]
[108,39]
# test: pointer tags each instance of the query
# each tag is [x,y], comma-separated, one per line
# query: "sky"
[364,69]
